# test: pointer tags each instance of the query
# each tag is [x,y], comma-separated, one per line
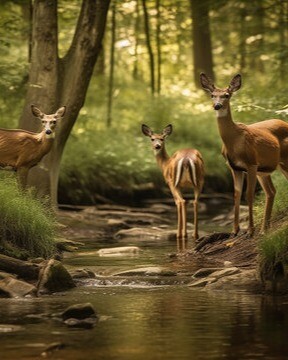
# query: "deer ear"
[146,130]
[206,83]
[235,83]
[37,112]
[167,130]
[61,111]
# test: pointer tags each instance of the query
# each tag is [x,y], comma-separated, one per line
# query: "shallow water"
[172,322]
[145,317]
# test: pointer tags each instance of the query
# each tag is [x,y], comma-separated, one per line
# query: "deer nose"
[157,146]
[48,132]
[218,106]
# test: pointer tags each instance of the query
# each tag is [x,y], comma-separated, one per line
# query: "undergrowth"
[27,227]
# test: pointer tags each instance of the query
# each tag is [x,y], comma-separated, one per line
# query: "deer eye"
[212,96]
[54,122]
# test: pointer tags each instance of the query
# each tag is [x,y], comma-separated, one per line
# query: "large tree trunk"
[55,82]
[202,49]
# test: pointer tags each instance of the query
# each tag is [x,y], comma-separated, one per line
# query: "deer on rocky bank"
[184,169]
[20,150]
[256,150]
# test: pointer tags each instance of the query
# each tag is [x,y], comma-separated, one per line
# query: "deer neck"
[227,128]
[162,157]
[46,141]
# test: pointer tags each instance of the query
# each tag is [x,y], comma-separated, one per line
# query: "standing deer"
[256,149]
[20,150]
[184,169]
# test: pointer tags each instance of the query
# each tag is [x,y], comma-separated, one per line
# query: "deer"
[256,150]
[184,169]
[20,150]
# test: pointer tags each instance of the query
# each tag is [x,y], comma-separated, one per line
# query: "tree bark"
[158,43]
[202,48]
[54,82]
[149,47]
[112,63]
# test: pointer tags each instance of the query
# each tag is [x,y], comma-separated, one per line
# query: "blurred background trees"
[147,71]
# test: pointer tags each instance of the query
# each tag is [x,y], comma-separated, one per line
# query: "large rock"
[54,277]
[13,288]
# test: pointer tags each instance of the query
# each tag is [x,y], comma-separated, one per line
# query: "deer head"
[49,122]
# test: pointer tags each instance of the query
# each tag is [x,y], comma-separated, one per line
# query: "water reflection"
[157,323]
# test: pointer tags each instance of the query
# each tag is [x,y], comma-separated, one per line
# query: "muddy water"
[143,317]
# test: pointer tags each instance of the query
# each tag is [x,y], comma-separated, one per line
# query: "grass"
[27,227]
[273,247]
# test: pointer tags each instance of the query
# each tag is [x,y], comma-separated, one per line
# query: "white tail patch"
[193,168]
[179,171]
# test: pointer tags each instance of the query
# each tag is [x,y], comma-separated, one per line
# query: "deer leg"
[238,178]
[195,204]
[270,191]
[22,174]
[181,214]
[184,218]
[251,184]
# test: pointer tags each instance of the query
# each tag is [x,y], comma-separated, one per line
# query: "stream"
[144,317]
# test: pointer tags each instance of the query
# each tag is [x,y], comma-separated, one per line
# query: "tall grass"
[273,247]
[27,227]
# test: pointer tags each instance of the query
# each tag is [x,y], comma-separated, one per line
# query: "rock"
[119,251]
[246,280]
[225,272]
[54,277]
[203,282]
[52,347]
[4,275]
[136,232]
[88,323]
[204,272]
[144,234]
[13,288]
[5,328]
[227,263]
[82,274]
[80,315]
[148,271]
[79,311]
[211,275]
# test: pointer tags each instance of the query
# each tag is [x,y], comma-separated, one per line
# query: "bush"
[27,227]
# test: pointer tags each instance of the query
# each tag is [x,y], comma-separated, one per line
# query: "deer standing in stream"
[184,169]
[20,150]
[256,150]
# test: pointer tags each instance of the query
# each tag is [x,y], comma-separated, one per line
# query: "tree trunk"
[149,47]
[55,82]
[202,49]
[112,63]
[136,31]
[158,43]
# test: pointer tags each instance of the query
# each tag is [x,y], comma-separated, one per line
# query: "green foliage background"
[110,161]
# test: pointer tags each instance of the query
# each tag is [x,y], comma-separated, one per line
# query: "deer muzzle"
[218,106]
